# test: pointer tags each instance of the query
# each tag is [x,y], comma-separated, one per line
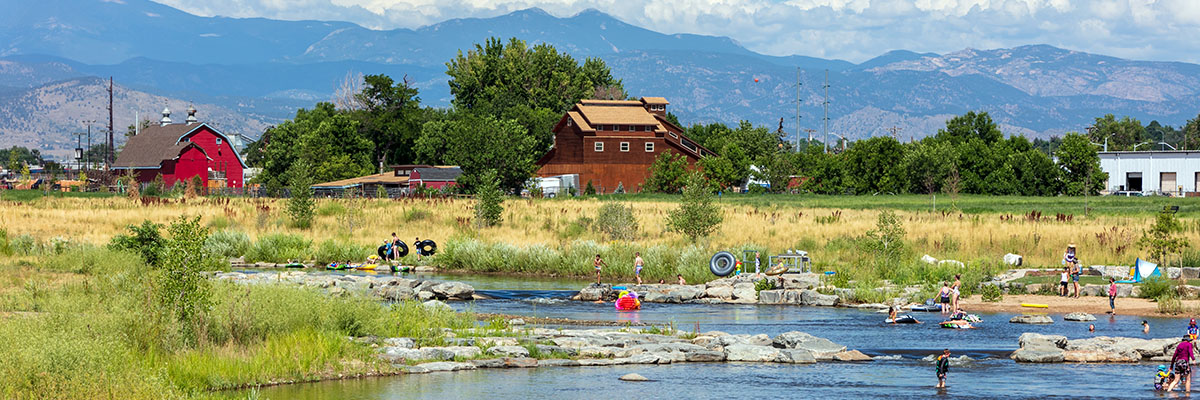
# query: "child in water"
[1162,377]
[943,367]
[1192,329]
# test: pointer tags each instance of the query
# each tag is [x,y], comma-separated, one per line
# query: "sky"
[852,30]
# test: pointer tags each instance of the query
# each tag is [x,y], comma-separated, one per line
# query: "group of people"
[638,263]
[1180,369]
[948,295]
[393,246]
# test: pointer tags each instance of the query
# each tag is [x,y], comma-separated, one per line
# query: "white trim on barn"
[1152,170]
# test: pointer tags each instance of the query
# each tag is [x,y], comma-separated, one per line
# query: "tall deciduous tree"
[696,216]
[874,166]
[1080,163]
[478,144]
[328,140]
[979,125]
[390,118]
[1122,133]
[1191,134]
[667,173]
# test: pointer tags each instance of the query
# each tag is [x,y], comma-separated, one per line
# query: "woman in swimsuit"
[944,296]
[954,291]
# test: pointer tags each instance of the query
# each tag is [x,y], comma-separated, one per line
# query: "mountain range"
[250,73]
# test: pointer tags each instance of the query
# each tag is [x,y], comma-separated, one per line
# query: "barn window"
[569,122]
[218,141]
[599,146]
[624,146]
[649,147]
[631,128]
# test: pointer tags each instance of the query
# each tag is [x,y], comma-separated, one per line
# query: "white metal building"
[1162,172]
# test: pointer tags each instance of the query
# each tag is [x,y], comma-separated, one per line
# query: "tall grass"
[279,248]
[228,243]
[575,259]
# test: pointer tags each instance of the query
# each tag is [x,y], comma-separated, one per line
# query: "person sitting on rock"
[681,281]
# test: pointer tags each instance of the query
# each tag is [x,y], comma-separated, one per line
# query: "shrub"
[764,284]
[1156,287]
[590,189]
[228,244]
[330,209]
[488,199]
[617,221]
[279,248]
[182,288]
[992,293]
[1169,304]
[300,204]
[5,247]
[146,240]
[331,250]
[696,216]
[416,214]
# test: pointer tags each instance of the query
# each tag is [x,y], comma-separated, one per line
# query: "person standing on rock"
[1181,362]
[1072,266]
[943,367]
[756,263]
[1112,296]
[597,263]
[637,266]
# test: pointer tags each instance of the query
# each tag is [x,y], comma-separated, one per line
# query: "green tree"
[1191,134]
[1122,133]
[874,166]
[488,199]
[532,85]
[975,125]
[826,172]
[329,141]
[145,239]
[927,163]
[391,119]
[777,170]
[14,162]
[300,205]
[506,149]
[1080,163]
[1162,239]
[720,171]
[182,288]
[887,239]
[668,173]
[696,216]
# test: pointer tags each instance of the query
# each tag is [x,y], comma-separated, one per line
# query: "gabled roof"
[386,178]
[156,143]
[616,114]
[655,100]
[439,173]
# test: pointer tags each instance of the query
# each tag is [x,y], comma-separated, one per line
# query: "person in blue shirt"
[1192,329]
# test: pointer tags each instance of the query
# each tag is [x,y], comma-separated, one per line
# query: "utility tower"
[895,131]
[826,104]
[108,153]
[796,145]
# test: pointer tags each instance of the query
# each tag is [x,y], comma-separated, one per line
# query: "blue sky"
[853,30]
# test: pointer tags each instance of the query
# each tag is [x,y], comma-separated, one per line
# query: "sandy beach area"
[1063,305]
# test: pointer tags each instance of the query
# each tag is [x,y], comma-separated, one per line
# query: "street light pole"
[87,159]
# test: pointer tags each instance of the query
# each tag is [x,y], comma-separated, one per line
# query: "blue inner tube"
[722,264]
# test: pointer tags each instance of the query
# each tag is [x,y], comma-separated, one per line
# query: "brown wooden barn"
[614,142]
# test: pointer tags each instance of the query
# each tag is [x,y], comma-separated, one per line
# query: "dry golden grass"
[1101,239]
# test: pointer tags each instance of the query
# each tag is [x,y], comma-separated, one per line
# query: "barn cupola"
[655,105]
[191,118]
[166,119]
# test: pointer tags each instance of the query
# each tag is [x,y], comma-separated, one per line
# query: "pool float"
[929,306]
[337,266]
[722,263]
[956,325]
[902,319]
[776,270]
[628,301]
[366,267]
[293,265]
[1035,305]
[385,250]
[426,247]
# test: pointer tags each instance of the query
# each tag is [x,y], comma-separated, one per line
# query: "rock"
[952,263]
[1031,340]
[446,366]
[852,355]
[1189,273]
[822,349]
[394,293]
[1189,290]
[1031,319]
[596,351]
[704,356]
[426,295]
[661,297]
[1013,259]
[646,358]
[1094,290]
[449,352]
[509,351]
[1038,355]
[573,343]
[593,362]
[633,378]
[337,291]
[424,269]
[812,298]
[1033,287]
[1079,316]
[519,362]
[929,259]
[496,341]
[779,296]
[1098,356]
[436,304]
[516,322]
[745,292]
[751,353]
[558,363]
[456,290]
[488,363]
[548,349]
[399,342]
[595,292]
[795,356]
[719,292]
[1174,273]
[400,354]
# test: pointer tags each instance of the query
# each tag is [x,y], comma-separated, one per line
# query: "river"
[898,372]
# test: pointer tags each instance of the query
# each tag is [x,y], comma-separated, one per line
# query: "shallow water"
[989,374]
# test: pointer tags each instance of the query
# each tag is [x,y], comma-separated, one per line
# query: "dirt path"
[1062,305]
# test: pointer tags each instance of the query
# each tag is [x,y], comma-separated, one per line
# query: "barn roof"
[439,173]
[633,114]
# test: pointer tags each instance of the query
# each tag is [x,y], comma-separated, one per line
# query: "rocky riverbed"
[589,347]
[1039,348]
[795,289]
[385,287]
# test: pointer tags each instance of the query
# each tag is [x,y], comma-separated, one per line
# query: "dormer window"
[218,141]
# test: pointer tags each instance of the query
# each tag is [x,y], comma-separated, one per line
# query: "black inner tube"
[402,251]
[427,247]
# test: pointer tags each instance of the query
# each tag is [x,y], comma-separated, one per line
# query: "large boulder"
[778,296]
[687,292]
[444,366]
[394,293]
[852,355]
[453,290]
[661,297]
[1190,273]
[813,298]
[719,292]
[1174,273]
[1031,319]
[1038,355]
[745,292]
[595,292]
[1035,340]
[1079,317]
[1099,356]
[822,349]
[750,353]
[509,351]
[795,356]
[633,378]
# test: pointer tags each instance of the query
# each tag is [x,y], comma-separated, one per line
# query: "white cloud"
[854,30]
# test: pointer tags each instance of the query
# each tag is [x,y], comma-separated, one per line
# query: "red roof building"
[613,143]
[179,152]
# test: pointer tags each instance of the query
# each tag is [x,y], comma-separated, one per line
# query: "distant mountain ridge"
[262,70]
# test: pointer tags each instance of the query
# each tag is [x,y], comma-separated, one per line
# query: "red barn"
[614,142]
[434,177]
[179,152]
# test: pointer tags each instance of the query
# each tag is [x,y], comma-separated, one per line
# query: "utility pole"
[108,153]
[797,145]
[826,104]
[895,130]
[78,152]
[87,159]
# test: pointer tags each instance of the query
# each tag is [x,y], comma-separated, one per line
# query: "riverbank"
[1063,305]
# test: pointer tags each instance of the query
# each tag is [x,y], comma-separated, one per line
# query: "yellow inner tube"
[1033,305]
[367,267]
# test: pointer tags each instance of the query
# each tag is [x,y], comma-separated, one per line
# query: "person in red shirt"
[1181,362]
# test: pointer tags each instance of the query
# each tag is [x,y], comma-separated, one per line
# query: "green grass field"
[31,195]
